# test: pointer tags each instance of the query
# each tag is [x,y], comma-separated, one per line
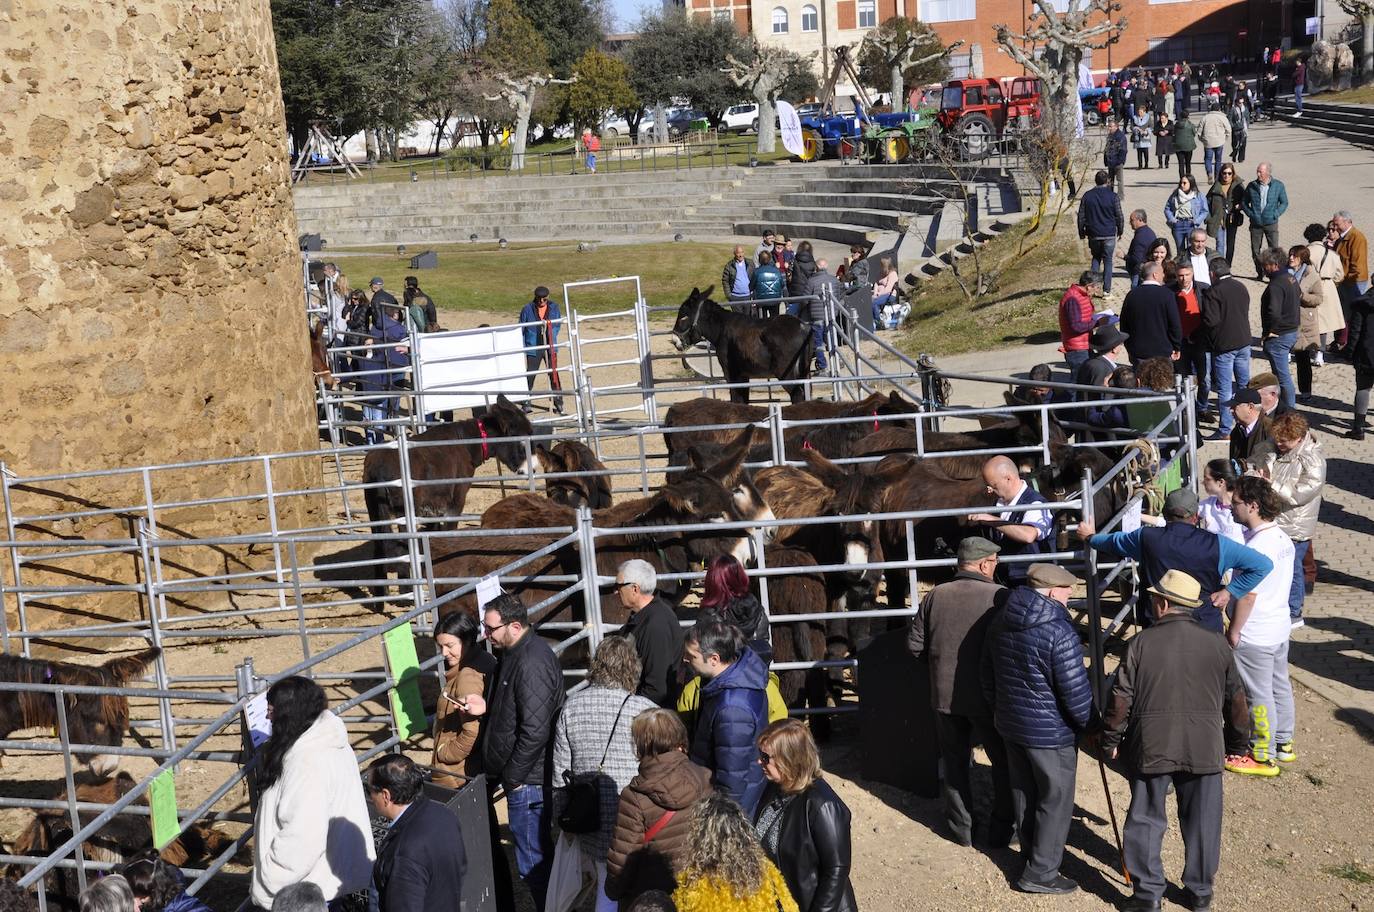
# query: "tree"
[766,73]
[1059,40]
[901,52]
[679,56]
[1363,10]
[513,45]
[316,82]
[519,95]
[569,28]
[603,84]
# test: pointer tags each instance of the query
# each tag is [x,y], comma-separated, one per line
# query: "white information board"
[467,369]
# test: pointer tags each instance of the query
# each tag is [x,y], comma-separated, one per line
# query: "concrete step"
[1349,122]
[968,172]
[923,186]
[508,182]
[462,221]
[585,231]
[885,220]
[498,207]
[899,202]
[447,195]
[840,234]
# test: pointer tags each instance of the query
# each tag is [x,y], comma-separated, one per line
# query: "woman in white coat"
[1326,263]
[312,822]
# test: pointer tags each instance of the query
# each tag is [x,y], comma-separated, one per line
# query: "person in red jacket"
[1192,359]
[1076,319]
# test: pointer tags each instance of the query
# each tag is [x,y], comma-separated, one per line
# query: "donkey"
[444,463]
[747,347]
[572,456]
[91,719]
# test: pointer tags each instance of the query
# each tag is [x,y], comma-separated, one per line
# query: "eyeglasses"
[765,757]
[619,586]
[490,629]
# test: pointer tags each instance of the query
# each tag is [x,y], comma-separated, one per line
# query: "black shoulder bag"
[582,811]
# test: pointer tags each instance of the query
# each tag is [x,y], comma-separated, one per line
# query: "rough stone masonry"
[150,303]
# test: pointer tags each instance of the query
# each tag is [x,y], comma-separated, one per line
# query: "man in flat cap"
[1251,441]
[1034,677]
[539,322]
[948,633]
[1181,544]
[1179,706]
[1271,394]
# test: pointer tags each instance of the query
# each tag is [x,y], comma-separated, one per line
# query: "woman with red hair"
[728,597]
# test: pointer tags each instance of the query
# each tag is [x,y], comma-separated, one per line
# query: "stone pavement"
[1334,653]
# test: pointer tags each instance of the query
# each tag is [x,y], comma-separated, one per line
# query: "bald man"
[1018,532]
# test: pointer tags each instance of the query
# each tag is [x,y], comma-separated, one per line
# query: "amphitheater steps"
[1352,123]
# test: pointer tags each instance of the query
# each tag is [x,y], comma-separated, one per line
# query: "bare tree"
[897,52]
[764,76]
[1060,40]
[519,95]
[1363,10]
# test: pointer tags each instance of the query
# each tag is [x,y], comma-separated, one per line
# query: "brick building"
[1159,31]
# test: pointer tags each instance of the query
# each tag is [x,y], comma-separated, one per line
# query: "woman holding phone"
[455,729]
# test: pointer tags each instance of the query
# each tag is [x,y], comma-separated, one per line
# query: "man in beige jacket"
[1214,132]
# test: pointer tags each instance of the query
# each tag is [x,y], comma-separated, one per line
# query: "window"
[810,20]
[779,21]
[973,96]
[948,10]
[1201,48]
[722,15]
[868,13]
[960,65]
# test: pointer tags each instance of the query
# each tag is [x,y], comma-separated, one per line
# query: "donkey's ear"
[707,293]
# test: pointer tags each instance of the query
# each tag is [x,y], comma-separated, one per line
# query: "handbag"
[582,810]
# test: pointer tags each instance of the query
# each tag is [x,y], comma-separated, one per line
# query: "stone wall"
[150,303]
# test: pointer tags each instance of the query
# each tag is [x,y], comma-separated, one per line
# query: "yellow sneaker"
[1247,765]
[1285,752]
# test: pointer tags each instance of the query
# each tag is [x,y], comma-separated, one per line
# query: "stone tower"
[150,285]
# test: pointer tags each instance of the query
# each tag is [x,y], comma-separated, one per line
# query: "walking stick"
[1111,812]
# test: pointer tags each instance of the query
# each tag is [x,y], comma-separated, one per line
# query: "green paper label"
[162,798]
[406,707]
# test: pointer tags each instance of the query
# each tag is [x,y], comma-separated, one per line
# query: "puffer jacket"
[803,268]
[666,782]
[1298,477]
[1214,130]
[734,709]
[524,696]
[1033,673]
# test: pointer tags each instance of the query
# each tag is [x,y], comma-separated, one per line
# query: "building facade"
[1159,32]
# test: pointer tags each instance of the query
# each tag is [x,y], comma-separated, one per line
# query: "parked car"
[740,118]
[680,122]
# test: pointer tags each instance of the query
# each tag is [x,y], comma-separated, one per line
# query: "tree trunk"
[898,104]
[632,120]
[522,129]
[660,124]
[1367,50]
[1060,99]
[370,143]
[768,134]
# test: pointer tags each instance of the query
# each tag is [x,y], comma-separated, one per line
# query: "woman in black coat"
[802,824]
[1360,350]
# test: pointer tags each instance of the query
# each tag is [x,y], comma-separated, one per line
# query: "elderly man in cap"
[1108,345]
[1179,705]
[1182,545]
[1034,677]
[539,321]
[948,634]
[1271,396]
[1251,441]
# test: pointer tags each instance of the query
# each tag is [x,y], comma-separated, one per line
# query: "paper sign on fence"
[162,798]
[259,726]
[406,707]
[1130,520]
[488,588]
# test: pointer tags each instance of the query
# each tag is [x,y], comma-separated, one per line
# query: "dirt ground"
[1302,837]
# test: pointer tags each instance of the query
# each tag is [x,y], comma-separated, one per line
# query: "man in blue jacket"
[539,320]
[734,710]
[1100,223]
[1114,156]
[1142,236]
[1265,201]
[1180,545]
[1033,676]
[421,862]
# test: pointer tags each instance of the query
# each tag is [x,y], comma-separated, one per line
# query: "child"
[1214,513]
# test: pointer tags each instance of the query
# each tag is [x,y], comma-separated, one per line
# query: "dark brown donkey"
[747,348]
[91,719]
[448,460]
[586,488]
[703,494]
[1022,430]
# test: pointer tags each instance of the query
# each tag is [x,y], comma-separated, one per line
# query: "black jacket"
[1114,154]
[1141,240]
[803,268]
[1149,315]
[524,697]
[813,849]
[421,863]
[658,640]
[1099,214]
[1225,310]
[1361,347]
[1281,306]
[1255,448]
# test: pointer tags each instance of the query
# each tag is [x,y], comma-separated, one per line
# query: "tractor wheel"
[894,147]
[813,145]
[1091,117]
[976,136]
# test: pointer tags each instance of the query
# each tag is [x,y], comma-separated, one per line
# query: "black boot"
[1357,428]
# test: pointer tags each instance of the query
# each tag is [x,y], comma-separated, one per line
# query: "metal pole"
[1189,425]
[164,705]
[911,572]
[417,592]
[335,445]
[591,591]
[5,476]
[300,601]
[1099,674]
[272,525]
[776,434]
[64,735]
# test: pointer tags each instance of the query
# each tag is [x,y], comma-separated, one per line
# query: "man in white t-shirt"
[1259,636]
[1016,531]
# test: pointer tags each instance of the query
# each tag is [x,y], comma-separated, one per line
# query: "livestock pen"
[318,597]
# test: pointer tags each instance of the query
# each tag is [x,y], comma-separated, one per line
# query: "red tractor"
[976,114]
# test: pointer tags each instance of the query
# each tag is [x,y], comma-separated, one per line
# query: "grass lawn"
[1362,95]
[483,277]
[1021,304]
